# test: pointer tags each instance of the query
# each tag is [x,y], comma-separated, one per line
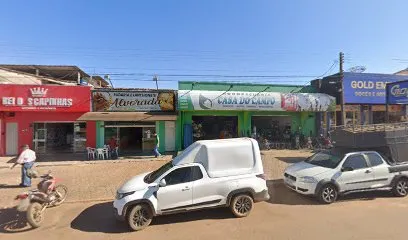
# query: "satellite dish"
[357,69]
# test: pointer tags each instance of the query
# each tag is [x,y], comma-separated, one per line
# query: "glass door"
[40,137]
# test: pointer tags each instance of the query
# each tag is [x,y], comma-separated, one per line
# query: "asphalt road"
[286,216]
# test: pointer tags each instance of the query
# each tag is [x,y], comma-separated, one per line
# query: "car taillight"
[261,176]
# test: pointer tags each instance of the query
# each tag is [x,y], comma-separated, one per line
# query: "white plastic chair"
[106,152]
[101,153]
[91,153]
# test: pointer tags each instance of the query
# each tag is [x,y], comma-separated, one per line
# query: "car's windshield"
[327,159]
[151,177]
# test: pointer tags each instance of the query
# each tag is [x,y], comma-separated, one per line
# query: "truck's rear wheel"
[400,188]
[328,194]
[241,205]
[140,217]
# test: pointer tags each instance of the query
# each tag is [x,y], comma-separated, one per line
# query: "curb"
[69,163]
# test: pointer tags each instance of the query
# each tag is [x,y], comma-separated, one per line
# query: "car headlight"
[122,195]
[307,179]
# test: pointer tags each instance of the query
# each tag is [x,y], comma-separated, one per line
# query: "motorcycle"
[47,194]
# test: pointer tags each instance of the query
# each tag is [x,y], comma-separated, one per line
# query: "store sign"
[133,101]
[261,101]
[397,92]
[367,88]
[44,98]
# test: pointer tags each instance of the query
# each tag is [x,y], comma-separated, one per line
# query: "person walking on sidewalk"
[156,146]
[26,159]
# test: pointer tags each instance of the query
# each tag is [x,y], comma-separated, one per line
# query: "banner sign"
[44,98]
[367,88]
[397,92]
[132,101]
[255,101]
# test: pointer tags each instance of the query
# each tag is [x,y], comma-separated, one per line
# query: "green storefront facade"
[130,117]
[240,110]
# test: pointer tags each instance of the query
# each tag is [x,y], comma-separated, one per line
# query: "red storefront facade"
[45,117]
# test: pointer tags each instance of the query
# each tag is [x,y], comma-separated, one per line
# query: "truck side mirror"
[162,183]
[347,169]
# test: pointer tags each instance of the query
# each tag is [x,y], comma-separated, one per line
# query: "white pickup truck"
[329,173]
[214,173]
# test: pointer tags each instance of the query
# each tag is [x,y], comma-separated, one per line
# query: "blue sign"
[397,92]
[367,88]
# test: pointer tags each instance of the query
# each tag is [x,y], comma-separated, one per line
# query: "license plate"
[289,182]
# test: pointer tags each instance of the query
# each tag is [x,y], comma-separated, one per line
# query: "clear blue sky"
[213,37]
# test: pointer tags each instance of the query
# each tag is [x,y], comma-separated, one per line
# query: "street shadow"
[365,196]
[214,213]
[12,221]
[13,160]
[5,186]
[291,160]
[100,218]
[280,194]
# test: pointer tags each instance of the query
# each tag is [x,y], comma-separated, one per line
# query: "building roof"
[402,72]
[8,76]
[61,72]
[64,73]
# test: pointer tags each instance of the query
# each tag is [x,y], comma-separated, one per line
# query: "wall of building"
[25,122]
[305,120]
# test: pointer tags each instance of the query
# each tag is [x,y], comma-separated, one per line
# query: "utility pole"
[155,78]
[343,108]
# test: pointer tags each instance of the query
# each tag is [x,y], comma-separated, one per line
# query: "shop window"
[214,127]
[131,137]
[273,128]
[59,137]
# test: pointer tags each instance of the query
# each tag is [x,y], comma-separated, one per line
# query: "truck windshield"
[151,177]
[327,159]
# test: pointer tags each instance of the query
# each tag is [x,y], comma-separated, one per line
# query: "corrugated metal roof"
[8,76]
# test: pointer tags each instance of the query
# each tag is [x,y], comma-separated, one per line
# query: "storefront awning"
[127,116]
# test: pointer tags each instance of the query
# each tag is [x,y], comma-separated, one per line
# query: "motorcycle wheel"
[60,192]
[35,214]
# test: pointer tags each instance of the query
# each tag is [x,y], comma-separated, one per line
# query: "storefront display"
[213,127]
[365,93]
[131,137]
[45,117]
[246,110]
[132,116]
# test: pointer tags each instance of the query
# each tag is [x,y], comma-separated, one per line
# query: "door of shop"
[40,137]
[170,135]
[11,138]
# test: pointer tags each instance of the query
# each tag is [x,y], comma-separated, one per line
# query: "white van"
[213,173]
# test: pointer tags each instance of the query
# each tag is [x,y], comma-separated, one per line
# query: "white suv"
[216,173]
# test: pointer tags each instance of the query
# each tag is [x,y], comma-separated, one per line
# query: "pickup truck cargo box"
[226,157]
[389,139]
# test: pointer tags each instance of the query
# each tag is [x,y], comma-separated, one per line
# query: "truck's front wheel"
[140,217]
[241,205]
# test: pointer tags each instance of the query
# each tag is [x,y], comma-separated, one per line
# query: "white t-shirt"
[26,156]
